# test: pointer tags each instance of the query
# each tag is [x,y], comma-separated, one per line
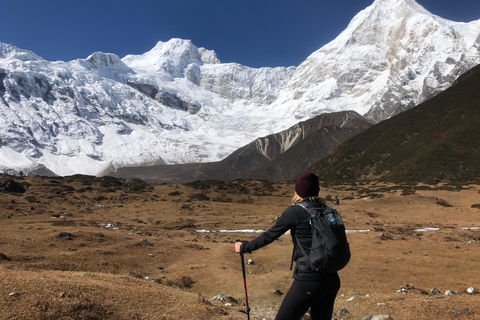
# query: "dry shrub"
[182,282]
[75,309]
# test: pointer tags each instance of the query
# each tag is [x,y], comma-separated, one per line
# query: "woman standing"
[310,289]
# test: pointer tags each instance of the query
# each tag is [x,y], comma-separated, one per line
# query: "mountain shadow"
[276,157]
[438,140]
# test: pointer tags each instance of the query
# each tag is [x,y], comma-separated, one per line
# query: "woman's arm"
[286,222]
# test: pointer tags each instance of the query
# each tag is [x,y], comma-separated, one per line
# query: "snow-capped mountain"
[178,104]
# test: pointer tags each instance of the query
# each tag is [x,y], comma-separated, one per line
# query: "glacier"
[178,103]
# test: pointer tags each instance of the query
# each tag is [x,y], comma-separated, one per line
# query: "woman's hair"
[296,199]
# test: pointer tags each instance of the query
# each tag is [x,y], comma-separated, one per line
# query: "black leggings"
[318,295]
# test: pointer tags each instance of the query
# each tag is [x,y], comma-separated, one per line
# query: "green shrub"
[477,205]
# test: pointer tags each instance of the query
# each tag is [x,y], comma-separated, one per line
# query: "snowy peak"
[178,104]
[7,51]
[100,60]
[393,55]
[399,5]
[172,57]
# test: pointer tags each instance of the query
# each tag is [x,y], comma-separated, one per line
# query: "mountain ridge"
[436,141]
[275,157]
[179,104]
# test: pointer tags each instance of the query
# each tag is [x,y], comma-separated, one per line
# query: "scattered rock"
[342,311]
[250,261]
[467,312]
[472,290]
[110,226]
[385,236]
[351,298]
[435,291]
[449,293]
[65,235]
[224,298]
[450,239]
[277,292]
[402,290]
[410,287]
[144,243]
[4,257]
[455,312]
[14,294]
[379,317]
[306,316]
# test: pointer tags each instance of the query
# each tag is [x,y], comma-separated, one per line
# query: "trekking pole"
[247,308]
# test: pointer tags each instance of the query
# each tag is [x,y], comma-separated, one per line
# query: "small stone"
[342,311]
[224,298]
[351,298]
[455,312]
[378,317]
[62,295]
[250,261]
[449,293]
[467,312]
[472,290]
[4,257]
[385,236]
[14,294]
[65,235]
[382,317]
[435,291]
[278,292]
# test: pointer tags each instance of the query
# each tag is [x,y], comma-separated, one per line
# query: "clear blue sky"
[255,33]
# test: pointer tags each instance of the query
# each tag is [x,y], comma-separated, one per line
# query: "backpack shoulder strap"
[297,242]
[306,207]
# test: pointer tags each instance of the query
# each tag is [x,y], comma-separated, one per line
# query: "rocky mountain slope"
[435,141]
[178,104]
[275,157]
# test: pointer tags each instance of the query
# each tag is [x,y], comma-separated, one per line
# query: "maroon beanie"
[307,185]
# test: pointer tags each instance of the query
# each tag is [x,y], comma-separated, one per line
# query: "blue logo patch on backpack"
[330,251]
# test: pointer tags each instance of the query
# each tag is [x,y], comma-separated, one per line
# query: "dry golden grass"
[101,273]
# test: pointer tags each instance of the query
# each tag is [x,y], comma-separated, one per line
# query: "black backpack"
[330,251]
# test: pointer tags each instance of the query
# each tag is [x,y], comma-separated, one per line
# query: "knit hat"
[307,185]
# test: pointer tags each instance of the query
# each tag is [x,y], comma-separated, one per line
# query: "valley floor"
[105,248]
